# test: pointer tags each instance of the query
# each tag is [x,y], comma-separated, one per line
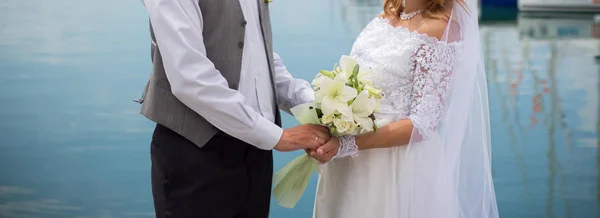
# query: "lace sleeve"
[433,68]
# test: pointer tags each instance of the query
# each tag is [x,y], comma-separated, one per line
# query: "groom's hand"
[305,136]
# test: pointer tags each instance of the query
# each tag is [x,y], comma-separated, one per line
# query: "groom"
[215,93]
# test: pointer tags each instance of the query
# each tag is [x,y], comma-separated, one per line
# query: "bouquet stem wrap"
[291,180]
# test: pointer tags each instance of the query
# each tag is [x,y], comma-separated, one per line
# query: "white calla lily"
[334,95]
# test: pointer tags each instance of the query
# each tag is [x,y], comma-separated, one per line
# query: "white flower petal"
[347,64]
[363,105]
[377,106]
[329,105]
[365,76]
[350,66]
[365,123]
[324,82]
[316,83]
[341,78]
[319,95]
[345,111]
[345,118]
[346,93]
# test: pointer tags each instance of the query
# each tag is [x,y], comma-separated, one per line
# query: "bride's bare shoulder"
[434,28]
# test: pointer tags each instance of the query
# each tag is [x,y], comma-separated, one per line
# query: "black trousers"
[226,178]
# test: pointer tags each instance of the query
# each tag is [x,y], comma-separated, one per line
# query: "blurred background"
[73,144]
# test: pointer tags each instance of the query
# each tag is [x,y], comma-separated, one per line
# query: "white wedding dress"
[364,186]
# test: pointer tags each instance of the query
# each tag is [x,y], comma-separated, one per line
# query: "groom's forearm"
[291,91]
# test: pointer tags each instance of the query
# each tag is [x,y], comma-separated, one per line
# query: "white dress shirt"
[247,114]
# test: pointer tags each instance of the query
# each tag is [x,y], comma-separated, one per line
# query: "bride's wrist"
[348,147]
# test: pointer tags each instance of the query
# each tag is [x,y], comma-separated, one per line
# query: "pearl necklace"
[410,15]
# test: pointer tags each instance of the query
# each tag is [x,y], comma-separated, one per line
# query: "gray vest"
[223,32]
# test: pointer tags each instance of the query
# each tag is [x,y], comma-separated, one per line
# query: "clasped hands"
[314,139]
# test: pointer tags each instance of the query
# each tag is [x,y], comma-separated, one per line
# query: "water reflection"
[73,145]
[544,81]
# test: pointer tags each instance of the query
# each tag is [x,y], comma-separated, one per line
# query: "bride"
[430,156]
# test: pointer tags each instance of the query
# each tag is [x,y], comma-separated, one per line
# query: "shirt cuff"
[308,96]
[268,133]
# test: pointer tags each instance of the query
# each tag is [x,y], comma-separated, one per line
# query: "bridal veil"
[446,169]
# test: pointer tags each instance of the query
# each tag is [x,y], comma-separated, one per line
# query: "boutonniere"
[268,1]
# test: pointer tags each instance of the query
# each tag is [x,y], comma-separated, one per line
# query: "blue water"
[72,143]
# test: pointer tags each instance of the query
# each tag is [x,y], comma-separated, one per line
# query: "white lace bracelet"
[347,148]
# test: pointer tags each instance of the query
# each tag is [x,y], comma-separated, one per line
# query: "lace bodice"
[412,69]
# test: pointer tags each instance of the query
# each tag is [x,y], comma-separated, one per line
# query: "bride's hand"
[326,152]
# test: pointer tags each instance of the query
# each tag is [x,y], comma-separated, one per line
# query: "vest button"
[241,45]
[244,22]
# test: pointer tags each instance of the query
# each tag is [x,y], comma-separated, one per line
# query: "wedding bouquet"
[345,101]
